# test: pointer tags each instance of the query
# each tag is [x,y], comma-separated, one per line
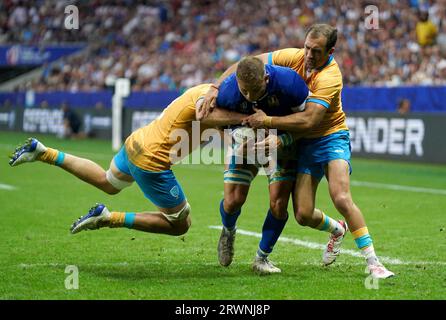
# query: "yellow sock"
[49,156]
[117,219]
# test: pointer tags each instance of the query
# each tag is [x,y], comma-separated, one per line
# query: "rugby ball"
[243,134]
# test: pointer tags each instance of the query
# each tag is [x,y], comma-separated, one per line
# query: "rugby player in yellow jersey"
[144,158]
[325,150]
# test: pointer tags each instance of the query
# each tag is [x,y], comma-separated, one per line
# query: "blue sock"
[129,219]
[228,220]
[272,228]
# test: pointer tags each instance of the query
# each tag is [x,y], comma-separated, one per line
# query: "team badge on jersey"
[175,192]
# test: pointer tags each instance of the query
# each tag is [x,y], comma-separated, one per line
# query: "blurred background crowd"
[171,45]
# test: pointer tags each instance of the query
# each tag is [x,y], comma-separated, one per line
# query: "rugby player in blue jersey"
[277,91]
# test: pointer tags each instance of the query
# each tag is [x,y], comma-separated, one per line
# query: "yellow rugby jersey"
[325,85]
[150,147]
[426,32]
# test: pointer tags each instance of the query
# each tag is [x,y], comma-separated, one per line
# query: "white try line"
[355,183]
[396,187]
[318,246]
[95,155]
[162,263]
[7,187]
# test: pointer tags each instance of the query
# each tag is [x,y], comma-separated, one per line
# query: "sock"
[370,255]
[122,219]
[365,244]
[52,156]
[330,225]
[262,254]
[227,219]
[272,228]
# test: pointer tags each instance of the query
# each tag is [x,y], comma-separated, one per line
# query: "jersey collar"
[330,59]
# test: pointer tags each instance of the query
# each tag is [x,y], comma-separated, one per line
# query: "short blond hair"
[250,70]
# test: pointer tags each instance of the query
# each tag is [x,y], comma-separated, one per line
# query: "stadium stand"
[171,45]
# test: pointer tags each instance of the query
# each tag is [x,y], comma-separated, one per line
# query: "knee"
[182,227]
[279,208]
[303,216]
[110,184]
[343,202]
[234,201]
[108,188]
[180,221]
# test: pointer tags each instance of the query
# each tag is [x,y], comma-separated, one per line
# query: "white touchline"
[306,244]
[318,246]
[356,183]
[153,262]
[396,187]
[79,153]
[7,187]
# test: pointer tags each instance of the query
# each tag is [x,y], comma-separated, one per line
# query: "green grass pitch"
[39,202]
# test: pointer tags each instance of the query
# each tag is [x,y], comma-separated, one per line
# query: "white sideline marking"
[200,263]
[367,184]
[95,155]
[356,183]
[7,187]
[318,246]
[189,263]
[396,187]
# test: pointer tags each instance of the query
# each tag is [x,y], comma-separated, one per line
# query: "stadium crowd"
[163,45]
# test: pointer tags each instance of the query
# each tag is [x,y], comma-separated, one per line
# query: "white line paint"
[356,183]
[92,155]
[152,262]
[306,244]
[397,187]
[318,246]
[367,184]
[210,264]
[7,187]
[111,264]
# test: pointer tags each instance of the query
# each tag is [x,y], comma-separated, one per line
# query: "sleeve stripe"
[322,102]
[270,58]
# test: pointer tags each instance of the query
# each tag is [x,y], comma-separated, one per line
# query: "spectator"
[404,106]
[183,43]
[426,30]
[71,123]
